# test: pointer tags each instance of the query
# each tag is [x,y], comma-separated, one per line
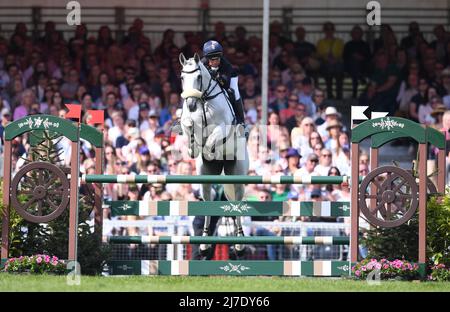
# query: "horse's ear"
[182,59]
[196,58]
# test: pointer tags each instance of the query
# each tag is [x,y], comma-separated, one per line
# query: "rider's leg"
[238,105]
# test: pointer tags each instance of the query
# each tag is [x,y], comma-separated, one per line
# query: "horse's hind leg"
[235,192]
[207,168]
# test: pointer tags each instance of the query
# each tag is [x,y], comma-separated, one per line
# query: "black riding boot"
[238,107]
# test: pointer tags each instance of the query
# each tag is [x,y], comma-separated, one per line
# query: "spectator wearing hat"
[309,169]
[334,128]
[153,126]
[144,109]
[331,114]
[437,114]
[293,158]
[155,145]
[143,160]
[316,194]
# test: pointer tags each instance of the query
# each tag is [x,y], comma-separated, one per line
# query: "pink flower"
[363,268]
[378,266]
[39,259]
[54,262]
[55,258]
[386,266]
[370,266]
[357,273]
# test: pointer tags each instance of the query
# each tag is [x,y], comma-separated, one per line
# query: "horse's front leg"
[206,188]
[239,191]
[236,193]
[213,149]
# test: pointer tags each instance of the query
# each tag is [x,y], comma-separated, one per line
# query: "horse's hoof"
[240,251]
[205,252]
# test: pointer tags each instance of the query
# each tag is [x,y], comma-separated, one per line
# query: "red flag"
[96,117]
[74,111]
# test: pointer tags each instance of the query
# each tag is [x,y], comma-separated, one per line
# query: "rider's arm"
[226,72]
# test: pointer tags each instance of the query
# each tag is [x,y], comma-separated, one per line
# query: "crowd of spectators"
[136,82]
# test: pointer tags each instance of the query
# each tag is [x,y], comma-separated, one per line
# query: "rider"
[222,71]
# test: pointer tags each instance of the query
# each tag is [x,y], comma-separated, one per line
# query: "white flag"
[358,113]
[378,115]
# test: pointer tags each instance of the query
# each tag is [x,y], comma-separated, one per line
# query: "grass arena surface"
[16,282]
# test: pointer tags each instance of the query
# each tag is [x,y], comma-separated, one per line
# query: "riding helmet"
[212,49]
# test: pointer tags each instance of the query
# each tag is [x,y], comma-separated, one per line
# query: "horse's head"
[194,78]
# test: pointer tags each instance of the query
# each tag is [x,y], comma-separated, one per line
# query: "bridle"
[203,96]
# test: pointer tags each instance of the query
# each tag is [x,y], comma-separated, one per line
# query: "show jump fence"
[388,203]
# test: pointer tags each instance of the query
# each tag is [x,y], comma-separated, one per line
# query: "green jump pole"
[275,240]
[230,179]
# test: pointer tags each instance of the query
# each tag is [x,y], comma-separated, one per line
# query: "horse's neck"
[218,107]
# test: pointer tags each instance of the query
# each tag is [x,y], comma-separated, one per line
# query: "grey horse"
[208,120]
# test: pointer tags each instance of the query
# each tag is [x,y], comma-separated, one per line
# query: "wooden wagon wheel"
[396,196]
[40,192]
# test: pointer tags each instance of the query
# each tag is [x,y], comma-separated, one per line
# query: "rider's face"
[214,62]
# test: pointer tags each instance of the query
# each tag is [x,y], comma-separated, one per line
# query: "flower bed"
[439,273]
[36,264]
[397,269]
